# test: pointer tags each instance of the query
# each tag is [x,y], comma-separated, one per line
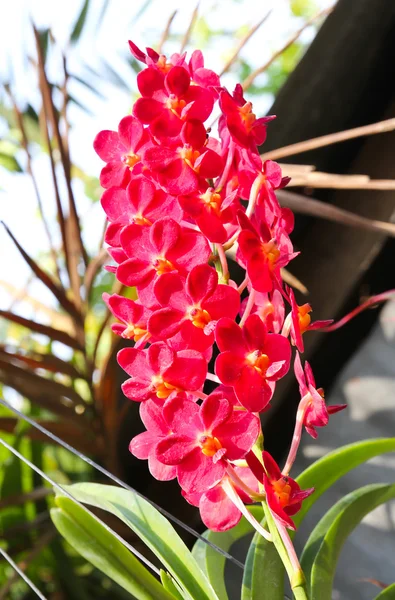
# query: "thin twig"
[243,42]
[317,179]
[322,210]
[331,138]
[92,270]
[25,145]
[166,31]
[252,76]
[188,32]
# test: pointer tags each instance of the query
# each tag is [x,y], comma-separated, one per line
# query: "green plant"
[200,574]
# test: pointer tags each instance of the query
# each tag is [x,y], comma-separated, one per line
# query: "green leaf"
[78,27]
[264,572]
[169,584]
[210,561]
[10,163]
[321,475]
[322,550]
[324,472]
[387,594]
[303,8]
[97,545]
[153,529]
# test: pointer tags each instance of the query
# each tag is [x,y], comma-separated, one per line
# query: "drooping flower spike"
[177,197]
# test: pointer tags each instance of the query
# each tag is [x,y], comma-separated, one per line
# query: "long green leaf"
[323,473]
[153,529]
[264,572]
[104,551]
[387,594]
[322,550]
[210,561]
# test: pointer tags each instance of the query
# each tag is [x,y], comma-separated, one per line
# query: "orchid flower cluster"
[178,200]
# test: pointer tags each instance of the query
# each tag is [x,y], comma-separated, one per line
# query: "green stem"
[296,577]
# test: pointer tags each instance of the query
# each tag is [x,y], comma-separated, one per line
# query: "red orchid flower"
[283,495]
[245,129]
[301,321]
[217,510]
[134,317]
[143,446]
[264,253]
[251,360]
[194,304]
[316,413]
[161,248]
[200,75]
[204,438]
[141,203]
[211,212]
[121,151]
[169,99]
[269,307]
[180,169]
[160,371]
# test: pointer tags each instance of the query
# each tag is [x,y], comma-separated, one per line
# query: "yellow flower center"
[271,252]
[140,220]
[163,389]
[134,332]
[213,200]
[162,265]
[247,116]
[304,317]
[283,490]
[189,155]
[209,445]
[199,317]
[131,159]
[162,65]
[260,362]
[175,104]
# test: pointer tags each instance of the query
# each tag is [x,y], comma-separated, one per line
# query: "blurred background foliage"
[56,350]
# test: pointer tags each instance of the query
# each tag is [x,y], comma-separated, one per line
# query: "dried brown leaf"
[35,360]
[58,292]
[51,332]
[60,399]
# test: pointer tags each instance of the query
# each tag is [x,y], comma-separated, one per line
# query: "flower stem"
[224,263]
[287,553]
[255,189]
[370,302]
[303,404]
[249,307]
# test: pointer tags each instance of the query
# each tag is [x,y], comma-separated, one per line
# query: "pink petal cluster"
[177,198]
